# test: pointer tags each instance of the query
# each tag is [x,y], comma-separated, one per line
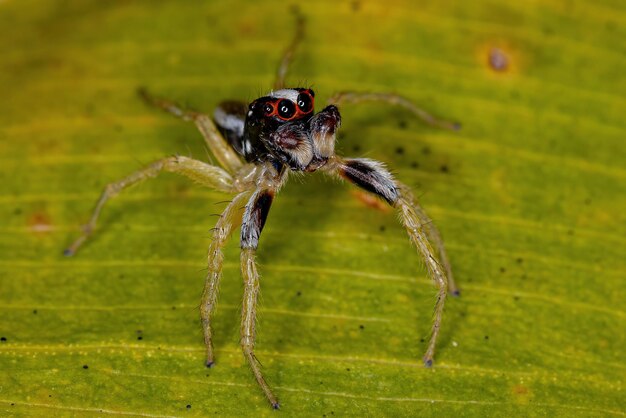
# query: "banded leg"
[221,232]
[283,67]
[222,151]
[373,177]
[253,221]
[203,173]
[394,99]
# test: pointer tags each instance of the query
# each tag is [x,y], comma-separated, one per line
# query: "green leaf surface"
[530,197]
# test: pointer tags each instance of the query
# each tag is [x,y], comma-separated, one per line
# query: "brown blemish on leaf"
[247,27]
[39,222]
[371,201]
[521,394]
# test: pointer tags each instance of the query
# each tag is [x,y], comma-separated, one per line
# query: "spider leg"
[203,173]
[394,99]
[433,235]
[221,232]
[253,221]
[371,175]
[223,152]
[285,61]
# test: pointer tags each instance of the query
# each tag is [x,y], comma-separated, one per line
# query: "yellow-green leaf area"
[530,196]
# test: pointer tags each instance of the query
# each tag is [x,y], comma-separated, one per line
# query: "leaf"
[529,195]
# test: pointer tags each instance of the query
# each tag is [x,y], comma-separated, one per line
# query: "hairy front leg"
[372,176]
[203,173]
[433,235]
[254,218]
[221,232]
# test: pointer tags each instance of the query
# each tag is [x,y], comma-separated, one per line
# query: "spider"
[258,146]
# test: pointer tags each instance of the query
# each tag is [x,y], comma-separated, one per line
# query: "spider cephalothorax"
[259,145]
[281,128]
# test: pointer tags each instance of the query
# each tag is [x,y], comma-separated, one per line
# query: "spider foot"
[275,405]
[209,364]
[428,362]
[71,250]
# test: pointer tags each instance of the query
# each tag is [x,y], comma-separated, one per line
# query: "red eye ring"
[305,102]
[268,109]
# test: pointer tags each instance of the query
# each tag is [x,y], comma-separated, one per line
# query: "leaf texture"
[530,197]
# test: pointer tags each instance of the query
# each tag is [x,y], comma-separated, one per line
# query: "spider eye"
[268,109]
[286,109]
[304,102]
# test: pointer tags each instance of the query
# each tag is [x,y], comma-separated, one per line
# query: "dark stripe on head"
[254,219]
[372,177]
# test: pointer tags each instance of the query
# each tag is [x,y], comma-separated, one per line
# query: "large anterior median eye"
[304,102]
[286,109]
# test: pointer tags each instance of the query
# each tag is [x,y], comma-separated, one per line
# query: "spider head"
[279,121]
[280,107]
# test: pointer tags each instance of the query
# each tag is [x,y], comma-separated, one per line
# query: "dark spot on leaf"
[188,406]
[361,326]
[519,260]
[502,270]
[414,164]
[570,232]
[444,168]
[426,150]
[298,293]
[382,228]
[402,124]
[516,298]
[422,340]
[347,369]
[17,211]
[3,339]
[355,5]
[140,338]
[399,150]
[35,311]
[85,366]
[173,308]
[498,60]
[356,148]
[588,201]
[486,337]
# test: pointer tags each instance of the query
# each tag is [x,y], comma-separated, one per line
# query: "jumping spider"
[257,146]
